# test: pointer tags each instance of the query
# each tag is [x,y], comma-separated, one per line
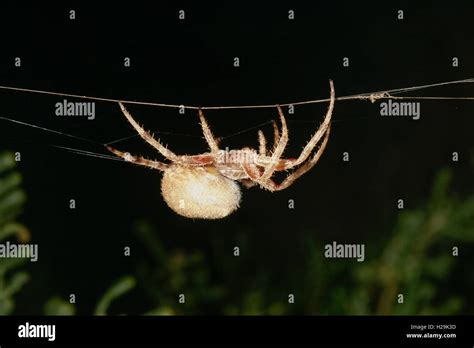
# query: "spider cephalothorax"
[205,186]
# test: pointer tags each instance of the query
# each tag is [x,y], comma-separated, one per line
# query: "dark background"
[191,62]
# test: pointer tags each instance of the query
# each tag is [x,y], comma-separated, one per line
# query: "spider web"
[370,96]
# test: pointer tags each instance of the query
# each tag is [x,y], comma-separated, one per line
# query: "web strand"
[371,96]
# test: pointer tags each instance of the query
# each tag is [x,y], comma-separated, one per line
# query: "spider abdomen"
[199,192]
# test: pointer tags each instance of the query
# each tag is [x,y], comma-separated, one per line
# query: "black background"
[191,62]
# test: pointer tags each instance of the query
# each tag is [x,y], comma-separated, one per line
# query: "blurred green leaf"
[58,306]
[121,287]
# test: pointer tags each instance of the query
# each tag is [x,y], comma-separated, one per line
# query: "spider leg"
[149,138]
[270,185]
[254,175]
[206,130]
[307,165]
[279,148]
[248,183]
[198,160]
[318,135]
[276,136]
[262,142]
[138,159]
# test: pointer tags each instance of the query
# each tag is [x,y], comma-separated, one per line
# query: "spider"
[204,185]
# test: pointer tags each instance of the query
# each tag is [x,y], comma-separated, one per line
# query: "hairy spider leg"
[149,137]
[275,159]
[252,171]
[138,159]
[262,143]
[318,135]
[206,130]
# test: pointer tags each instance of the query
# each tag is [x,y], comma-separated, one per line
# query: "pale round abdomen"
[200,192]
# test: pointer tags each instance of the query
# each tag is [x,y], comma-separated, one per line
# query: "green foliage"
[12,199]
[58,306]
[122,286]
[417,261]
[173,273]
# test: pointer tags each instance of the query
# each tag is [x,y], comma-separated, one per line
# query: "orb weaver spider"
[205,185]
